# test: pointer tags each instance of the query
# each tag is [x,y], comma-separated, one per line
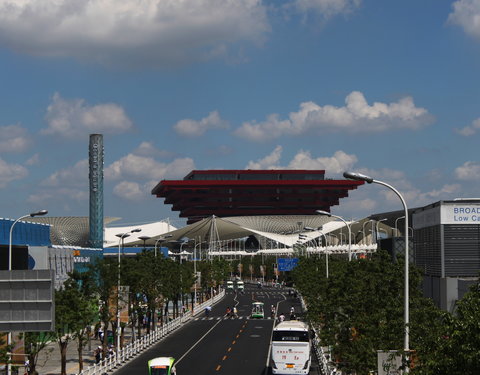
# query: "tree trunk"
[149,319]
[32,363]
[63,357]
[139,324]
[80,347]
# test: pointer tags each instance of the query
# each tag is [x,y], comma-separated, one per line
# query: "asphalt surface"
[220,345]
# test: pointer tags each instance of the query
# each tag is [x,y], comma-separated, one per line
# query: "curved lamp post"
[326,246]
[37,213]
[121,237]
[377,229]
[161,239]
[144,239]
[396,221]
[369,180]
[363,230]
[320,212]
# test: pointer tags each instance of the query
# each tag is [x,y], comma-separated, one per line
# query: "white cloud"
[135,166]
[130,190]
[63,196]
[469,171]
[149,149]
[14,138]
[335,164]
[338,163]
[470,130]
[192,128]
[160,32]
[73,118]
[74,176]
[355,117]
[466,14]
[268,162]
[11,172]
[326,8]
[145,171]
[374,198]
[65,188]
[34,160]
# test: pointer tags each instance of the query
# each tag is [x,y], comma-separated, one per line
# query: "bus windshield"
[160,370]
[295,336]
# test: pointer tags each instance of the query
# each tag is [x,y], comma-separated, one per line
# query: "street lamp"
[181,247]
[144,239]
[320,212]
[326,246]
[38,213]
[363,231]
[10,254]
[369,180]
[195,273]
[377,229]
[121,236]
[161,239]
[396,221]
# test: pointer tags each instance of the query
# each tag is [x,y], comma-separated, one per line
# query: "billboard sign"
[287,264]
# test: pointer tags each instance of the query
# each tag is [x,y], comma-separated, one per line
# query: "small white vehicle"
[240,285]
[229,285]
[291,348]
[161,366]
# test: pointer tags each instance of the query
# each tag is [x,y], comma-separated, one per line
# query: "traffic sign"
[287,264]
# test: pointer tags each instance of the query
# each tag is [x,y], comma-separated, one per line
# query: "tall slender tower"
[95,158]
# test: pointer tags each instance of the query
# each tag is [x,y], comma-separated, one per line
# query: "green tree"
[359,308]
[457,346]
[34,343]
[74,314]
[104,273]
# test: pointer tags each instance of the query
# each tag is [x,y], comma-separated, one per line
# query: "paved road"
[219,345]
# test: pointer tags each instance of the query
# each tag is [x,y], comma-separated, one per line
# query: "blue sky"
[386,88]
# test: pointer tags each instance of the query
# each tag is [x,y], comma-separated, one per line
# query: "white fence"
[323,358]
[144,342]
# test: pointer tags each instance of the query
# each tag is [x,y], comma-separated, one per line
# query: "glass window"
[160,370]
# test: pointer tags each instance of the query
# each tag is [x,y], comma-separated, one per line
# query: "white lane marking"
[200,339]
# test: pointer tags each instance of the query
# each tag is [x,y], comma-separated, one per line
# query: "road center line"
[200,339]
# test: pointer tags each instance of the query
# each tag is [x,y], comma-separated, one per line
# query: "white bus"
[291,348]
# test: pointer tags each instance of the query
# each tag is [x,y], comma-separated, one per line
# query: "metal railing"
[323,359]
[131,350]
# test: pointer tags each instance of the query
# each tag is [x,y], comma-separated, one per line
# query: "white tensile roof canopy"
[283,229]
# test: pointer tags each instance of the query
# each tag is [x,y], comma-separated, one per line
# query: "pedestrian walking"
[98,354]
[101,333]
[273,310]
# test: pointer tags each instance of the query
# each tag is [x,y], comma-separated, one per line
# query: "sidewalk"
[49,359]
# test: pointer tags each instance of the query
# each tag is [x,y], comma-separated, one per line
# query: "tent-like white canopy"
[282,229]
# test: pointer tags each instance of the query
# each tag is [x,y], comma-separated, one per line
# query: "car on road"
[257,310]
[162,366]
[240,285]
[229,285]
